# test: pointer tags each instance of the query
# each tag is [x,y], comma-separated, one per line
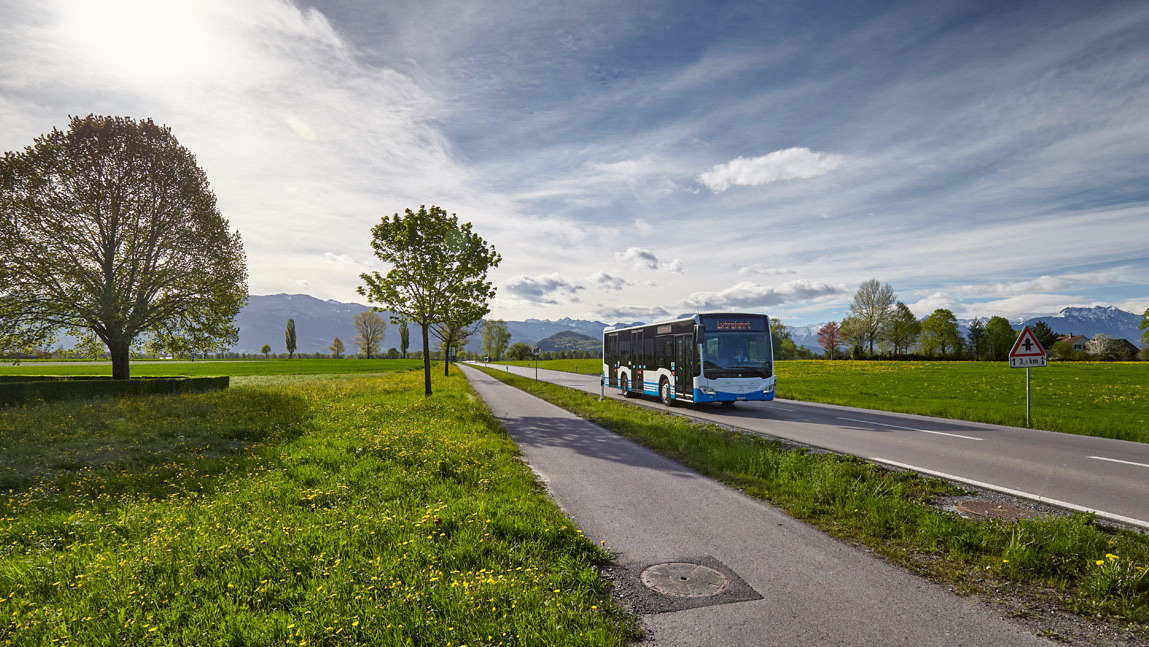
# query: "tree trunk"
[120,358]
[426,364]
[446,360]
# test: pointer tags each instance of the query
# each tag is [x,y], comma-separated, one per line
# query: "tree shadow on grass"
[67,455]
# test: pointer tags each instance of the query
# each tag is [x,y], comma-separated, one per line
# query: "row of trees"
[878,322]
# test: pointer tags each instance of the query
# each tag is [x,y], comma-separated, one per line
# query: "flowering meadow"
[296,510]
[1107,399]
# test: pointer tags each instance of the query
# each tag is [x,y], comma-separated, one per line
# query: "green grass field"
[167,368]
[1107,399]
[290,510]
[1067,560]
[591,366]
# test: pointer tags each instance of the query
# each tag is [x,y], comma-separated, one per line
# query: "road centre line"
[1117,460]
[924,431]
[781,408]
[1018,493]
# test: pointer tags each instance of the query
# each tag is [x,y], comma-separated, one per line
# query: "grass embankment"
[1088,569]
[334,510]
[592,366]
[166,368]
[1106,399]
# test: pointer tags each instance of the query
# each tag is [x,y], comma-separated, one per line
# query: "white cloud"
[766,270]
[609,281]
[787,164]
[752,295]
[644,258]
[643,227]
[546,289]
[639,257]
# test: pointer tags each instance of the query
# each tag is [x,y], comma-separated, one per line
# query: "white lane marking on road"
[1025,495]
[1118,460]
[781,408]
[924,431]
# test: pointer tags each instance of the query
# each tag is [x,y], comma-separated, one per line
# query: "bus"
[705,357]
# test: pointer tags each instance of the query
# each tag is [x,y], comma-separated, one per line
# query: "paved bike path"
[649,509]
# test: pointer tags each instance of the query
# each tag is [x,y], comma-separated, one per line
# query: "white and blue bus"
[712,357]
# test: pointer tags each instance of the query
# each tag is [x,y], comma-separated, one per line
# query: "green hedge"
[28,389]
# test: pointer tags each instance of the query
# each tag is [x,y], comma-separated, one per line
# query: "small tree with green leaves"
[266,350]
[519,351]
[289,338]
[940,332]
[999,338]
[337,348]
[370,326]
[976,337]
[404,337]
[495,338]
[901,329]
[438,272]
[1045,335]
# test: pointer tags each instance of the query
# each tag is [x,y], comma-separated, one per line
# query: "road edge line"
[1018,493]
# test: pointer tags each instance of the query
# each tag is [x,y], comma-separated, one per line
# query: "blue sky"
[632,160]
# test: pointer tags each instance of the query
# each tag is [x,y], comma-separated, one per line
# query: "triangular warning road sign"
[1027,345]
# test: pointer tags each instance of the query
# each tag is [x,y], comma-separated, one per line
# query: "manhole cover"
[684,580]
[989,510]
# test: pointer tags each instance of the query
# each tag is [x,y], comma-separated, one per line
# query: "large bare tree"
[111,228]
[370,326]
[871,308]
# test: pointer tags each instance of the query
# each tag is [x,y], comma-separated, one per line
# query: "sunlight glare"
[142,40]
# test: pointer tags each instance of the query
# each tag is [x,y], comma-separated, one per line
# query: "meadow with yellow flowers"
[288,510]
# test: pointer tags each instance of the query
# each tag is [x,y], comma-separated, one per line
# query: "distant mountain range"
[568,340]
[318,322]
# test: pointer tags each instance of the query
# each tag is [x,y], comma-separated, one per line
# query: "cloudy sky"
[636,159]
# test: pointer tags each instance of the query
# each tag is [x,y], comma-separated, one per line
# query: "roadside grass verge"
[592,366]
[1087,569]
[334,510]
[170,368]
[1105,399]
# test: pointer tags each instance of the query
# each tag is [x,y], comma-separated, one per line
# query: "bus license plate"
[741,398]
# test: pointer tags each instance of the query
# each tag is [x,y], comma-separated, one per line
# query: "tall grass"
[1094,570]
[337,510]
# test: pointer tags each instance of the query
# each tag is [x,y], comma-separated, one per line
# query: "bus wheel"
[728,404]
[625,386]
[664,392]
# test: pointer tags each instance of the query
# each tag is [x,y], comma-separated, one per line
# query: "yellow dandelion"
[1099,562]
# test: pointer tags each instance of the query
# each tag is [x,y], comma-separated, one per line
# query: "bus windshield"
[736,354]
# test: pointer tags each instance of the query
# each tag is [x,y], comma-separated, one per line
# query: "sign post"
[536,349]
[1027,353]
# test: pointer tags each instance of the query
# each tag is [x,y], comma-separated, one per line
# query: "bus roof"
[685,317]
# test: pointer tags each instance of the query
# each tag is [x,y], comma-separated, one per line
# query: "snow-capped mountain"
[1098,320]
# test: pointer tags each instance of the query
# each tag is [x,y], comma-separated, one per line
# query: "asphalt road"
[800,586]
[1104,476]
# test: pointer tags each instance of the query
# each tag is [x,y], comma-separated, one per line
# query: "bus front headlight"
[707,390]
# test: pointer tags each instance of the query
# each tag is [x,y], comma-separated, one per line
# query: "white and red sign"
[1027,351]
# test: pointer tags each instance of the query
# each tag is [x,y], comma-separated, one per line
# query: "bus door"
[684,365]
[638,360]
